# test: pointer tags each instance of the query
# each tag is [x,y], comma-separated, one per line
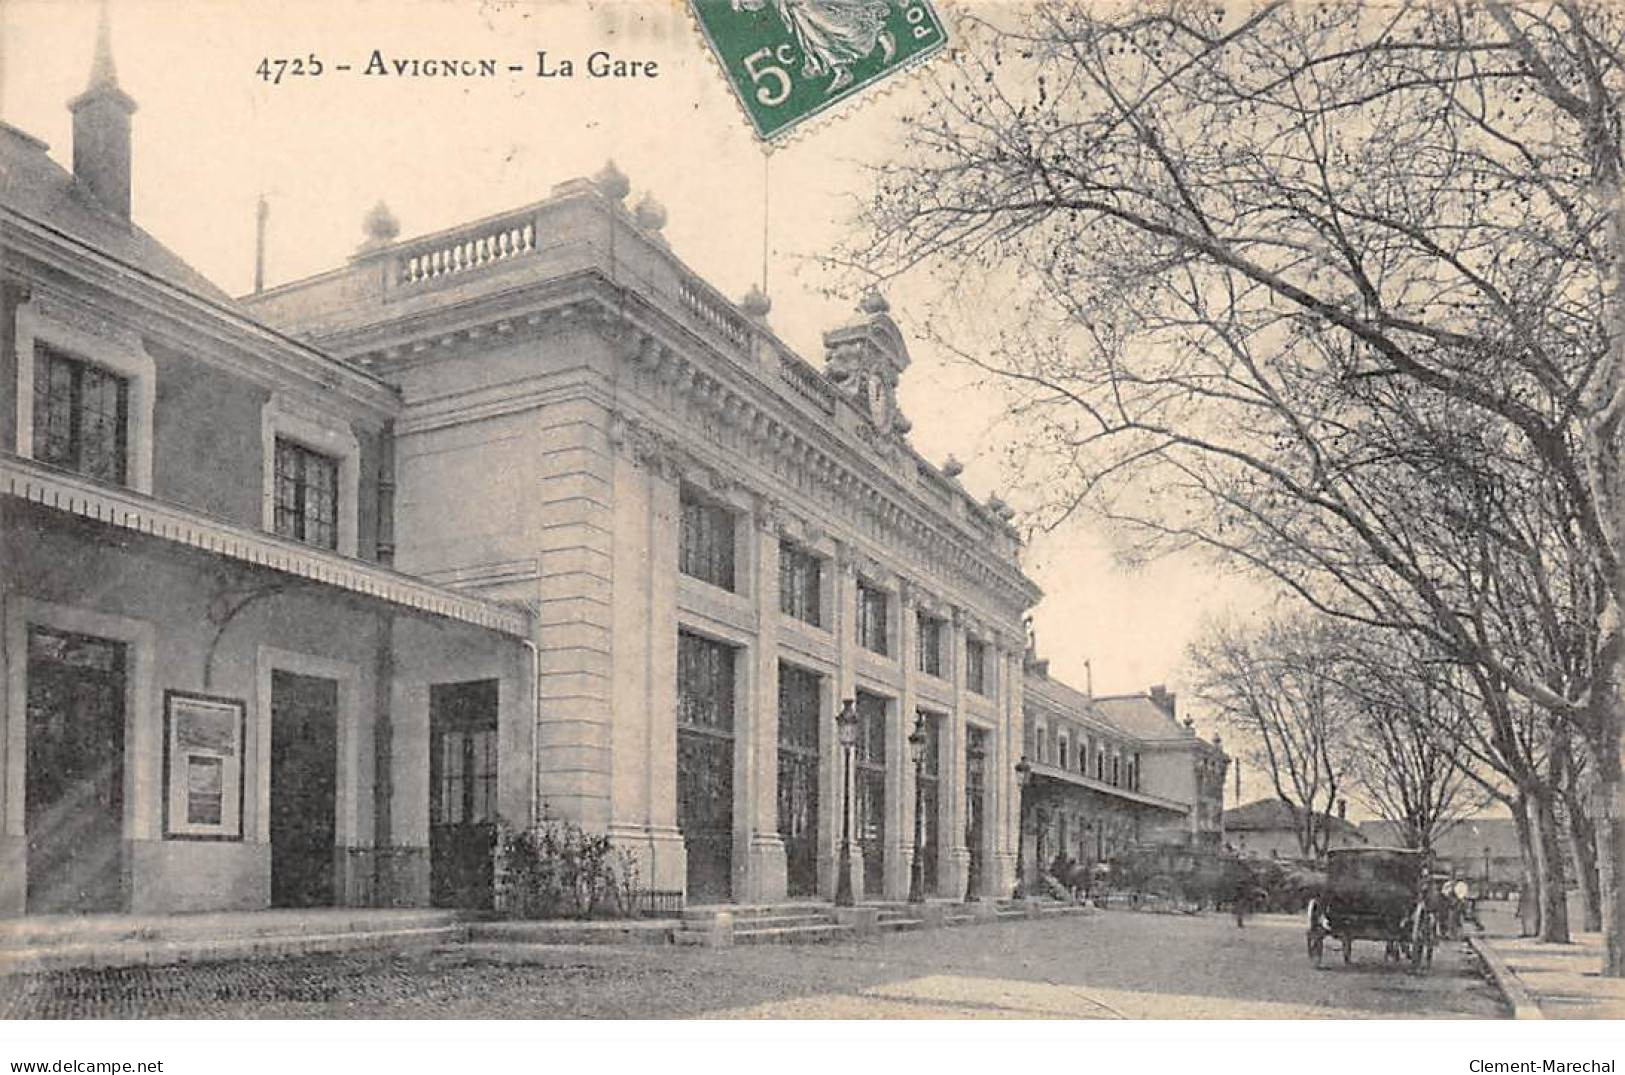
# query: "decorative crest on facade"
[864,358]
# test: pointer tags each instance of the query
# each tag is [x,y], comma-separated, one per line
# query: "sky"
[211,137]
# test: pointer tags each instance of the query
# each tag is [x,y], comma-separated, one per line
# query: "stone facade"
[578,405]
[142,563]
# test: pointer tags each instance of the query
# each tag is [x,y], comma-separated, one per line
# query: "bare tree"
[1251,238]
[1274,686]
[1410,716]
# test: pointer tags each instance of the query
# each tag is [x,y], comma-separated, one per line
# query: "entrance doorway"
[304,789]
[705,765]
[871,791]
[799,709]
[74,792]
[462,793]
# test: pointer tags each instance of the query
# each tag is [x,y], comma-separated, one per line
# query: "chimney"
[101,129]
[1163,697]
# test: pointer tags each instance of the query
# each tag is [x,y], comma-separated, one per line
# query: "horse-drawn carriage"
[1378,894]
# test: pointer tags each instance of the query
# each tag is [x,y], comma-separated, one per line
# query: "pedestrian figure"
[1248,897]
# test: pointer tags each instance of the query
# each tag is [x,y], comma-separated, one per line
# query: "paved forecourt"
[1117,964]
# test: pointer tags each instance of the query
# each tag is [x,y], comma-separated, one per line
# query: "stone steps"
[901,925]
[784,923]
[896,919]
[746,912]
[809,933]
[619,932]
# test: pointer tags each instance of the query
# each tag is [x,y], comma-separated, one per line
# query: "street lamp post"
[1023,774]
[916,749]
[974,756]
[846,729]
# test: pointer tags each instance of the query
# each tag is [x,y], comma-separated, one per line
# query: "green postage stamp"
[790,59]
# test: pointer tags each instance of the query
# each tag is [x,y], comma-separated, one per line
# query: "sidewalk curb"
[1506,980]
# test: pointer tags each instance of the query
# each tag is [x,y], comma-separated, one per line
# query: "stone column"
[899,767]
[13,728]
[833,797]
[573,492]
[659,763]
[954,865]
[757,799]
[1007,738]
[643,604]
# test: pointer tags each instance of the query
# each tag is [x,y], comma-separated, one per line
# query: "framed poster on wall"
[203,766]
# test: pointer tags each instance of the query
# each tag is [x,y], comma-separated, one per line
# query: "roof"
[1054,695]
[35,186]
[1271,814]
[1138,715]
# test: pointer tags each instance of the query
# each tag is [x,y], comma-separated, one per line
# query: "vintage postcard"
[812,509]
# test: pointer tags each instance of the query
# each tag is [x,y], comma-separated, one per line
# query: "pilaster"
[1002,782]
[899,767]
[954,865]
[573,503]
[835,781]
[644,610]
[756,798]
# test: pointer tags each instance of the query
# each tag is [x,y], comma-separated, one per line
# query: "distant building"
[1111,772]
[1269,828]
[1473,848]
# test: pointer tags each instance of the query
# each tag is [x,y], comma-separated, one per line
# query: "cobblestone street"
[1117,964]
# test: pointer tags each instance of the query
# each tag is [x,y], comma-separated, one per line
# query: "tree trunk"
[1610,849]
[1529,891]
[1554,890]
[1582,838]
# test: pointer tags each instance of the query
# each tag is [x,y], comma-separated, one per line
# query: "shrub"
[556,869]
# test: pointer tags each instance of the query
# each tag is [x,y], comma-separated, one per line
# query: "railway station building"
[304,591]
[1107,773]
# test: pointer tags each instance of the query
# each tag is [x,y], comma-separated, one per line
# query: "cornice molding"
[177,318]
[742,408]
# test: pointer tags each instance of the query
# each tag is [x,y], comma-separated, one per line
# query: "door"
[871,792]
[73,813]
[705,765]
[799,709]
[304,789]
[462,793]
